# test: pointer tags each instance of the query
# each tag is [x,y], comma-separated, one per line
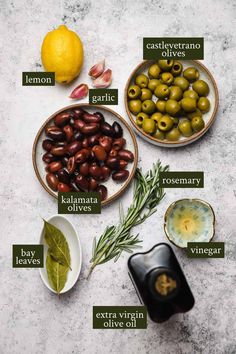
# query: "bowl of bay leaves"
[62,254]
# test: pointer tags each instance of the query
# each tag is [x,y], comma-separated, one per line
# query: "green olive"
[141,80]
[192,94]
[140,118]
[175,93]
[159,135]
[149,126]
[156,116]
[175,120]
[146,94]
[167,78]
[196,113]
[176,68]
[154,71]
[191,74]
[185,127]
[165,65]
[201,87]
[203,104]
[172,107]
[189,104]
[161,106]
[173,134]
[148,107]
[165,123]
[162,91]
[197,124]
[181,82]
[135,106]
[134,91]
[153,83]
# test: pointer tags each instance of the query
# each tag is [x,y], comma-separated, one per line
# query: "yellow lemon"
[62,52]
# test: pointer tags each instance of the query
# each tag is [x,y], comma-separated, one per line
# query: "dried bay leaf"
[58,246]
[57,273]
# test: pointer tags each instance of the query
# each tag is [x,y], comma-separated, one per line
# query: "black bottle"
[160,282]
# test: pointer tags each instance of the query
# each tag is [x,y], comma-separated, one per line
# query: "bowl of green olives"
[171,103]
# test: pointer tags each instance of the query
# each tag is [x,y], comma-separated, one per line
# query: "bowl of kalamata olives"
[85,148]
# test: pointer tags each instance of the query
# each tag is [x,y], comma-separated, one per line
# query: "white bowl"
[72,238]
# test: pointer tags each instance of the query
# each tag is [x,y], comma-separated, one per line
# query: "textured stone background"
[32,320]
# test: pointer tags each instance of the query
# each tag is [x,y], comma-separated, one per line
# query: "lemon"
[62,53]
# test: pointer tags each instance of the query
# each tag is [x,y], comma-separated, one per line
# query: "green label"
[179,179]
[206,250]
[38,79]
[103,96]
[173,48]
[119,317]
[27,256]
[79,203]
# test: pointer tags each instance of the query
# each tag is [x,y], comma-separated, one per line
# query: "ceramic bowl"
[114,189]
[208,117]
[72,238]
[189,220]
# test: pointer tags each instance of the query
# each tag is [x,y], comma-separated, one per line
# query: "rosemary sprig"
[116,239]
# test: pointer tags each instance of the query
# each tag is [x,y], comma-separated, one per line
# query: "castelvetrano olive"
[161,106]
[203,104]
[175,93]
[181,82]
[201,87]
[165,65]
[162,91]
[149,126]
[146,94]
[153,83]
[197,124]
[156,116]
[192,94]
[172,107]
[196,113]
[148,107]
[140,118]
[134,91]
[154,71]
[173,134]
[159,135]
[135,106]
[176,68]
[165,123]
[185,128]
[167,78]
[142,80]
[191,74]
[189,104]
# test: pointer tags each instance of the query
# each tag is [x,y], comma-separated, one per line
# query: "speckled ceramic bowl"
[189,220]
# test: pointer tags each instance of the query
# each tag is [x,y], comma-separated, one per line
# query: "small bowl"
[114,189]
[209,117]
[72,238]
[189,220]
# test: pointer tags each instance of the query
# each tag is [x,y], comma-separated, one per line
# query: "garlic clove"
[103,80]
[97,69]
[79,92]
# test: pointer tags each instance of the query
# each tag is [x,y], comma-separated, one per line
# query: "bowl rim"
[48,120]
[165,143]
[171,206]
[46,283]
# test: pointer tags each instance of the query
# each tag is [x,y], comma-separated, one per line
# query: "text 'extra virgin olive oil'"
[160,282]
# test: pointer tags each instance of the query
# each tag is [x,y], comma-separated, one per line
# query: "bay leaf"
[57,273]
[58,246]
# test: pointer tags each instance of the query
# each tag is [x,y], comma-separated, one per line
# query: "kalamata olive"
[47,157]
[85,143]
[99,152]
[112,162]
[94,139]
[71,165]
[90,129]
[117,129]
[105,173]
[76,173]
[81,156]
[58,151]
[118,144]
[79,124]
[102,190]
[107,129]
[74,147]
[62,187]
[100,115]
[84,169]
[62,119]
[92,184]
[69,132]
[105,142]
[64,160]
[122,164]
[120,176]
[61,143]
[52,181]
[74,187]
[91,118]
[126,155]
[47,144]
[78,136]
[82,182]
[95,171]
[54,166]
[78,112]
[55,133]
[63,176]
[113,153]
